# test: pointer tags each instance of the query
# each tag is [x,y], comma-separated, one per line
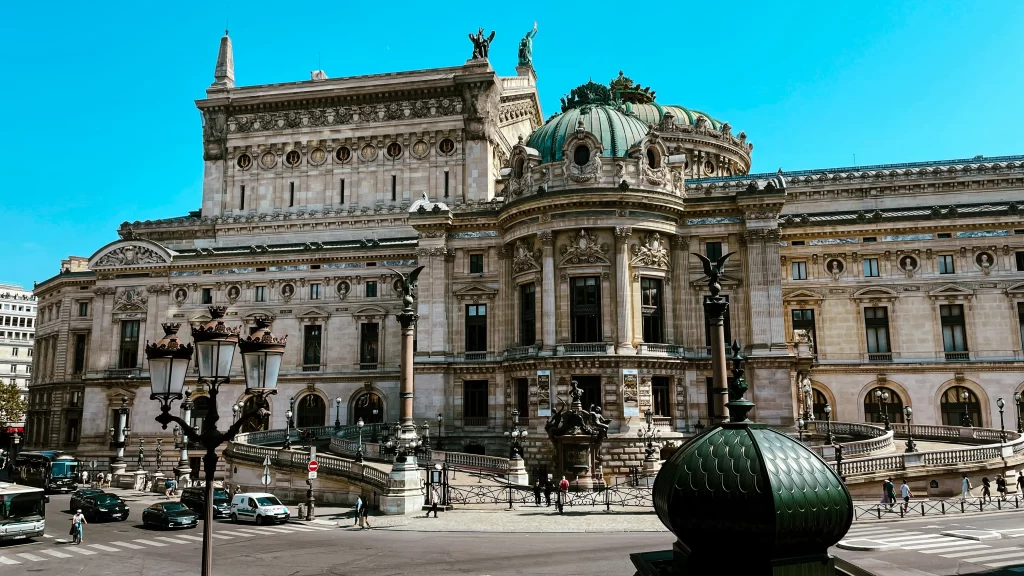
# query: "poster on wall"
[645,395]
[543,392]
[630,393]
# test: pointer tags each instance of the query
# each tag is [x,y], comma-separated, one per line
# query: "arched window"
[581,155]
[960,407]
[370,408]
[818,402]
[520,166]
[310,411]
[256,423]
[653,158]
[880,401]
[200,408]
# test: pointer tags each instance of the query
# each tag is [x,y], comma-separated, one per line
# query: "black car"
[78,495]
[104,507]
[169,515]
[195,499]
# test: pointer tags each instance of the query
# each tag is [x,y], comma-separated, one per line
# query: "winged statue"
[713,271]
[408,285]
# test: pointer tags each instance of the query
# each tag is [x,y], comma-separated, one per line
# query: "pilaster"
[624,308]
[548,288]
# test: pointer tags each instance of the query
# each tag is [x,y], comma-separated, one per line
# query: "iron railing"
[620,495]
[299,459]
[934,507]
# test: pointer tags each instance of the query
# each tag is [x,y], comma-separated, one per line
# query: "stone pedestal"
[517,472]
[182,473]
[1011,481]
[651,467]
[118,468]
[404,495]
[158,483]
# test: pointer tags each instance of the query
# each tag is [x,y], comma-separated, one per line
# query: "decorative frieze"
[340,115]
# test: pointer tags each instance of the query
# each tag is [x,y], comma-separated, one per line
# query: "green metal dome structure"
[616,130]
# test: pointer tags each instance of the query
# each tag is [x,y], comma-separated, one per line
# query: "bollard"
[963,509]
[943,503]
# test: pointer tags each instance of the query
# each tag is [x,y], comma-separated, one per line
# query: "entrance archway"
[311,411]
[959,406]
[818,403]
[370,407]
[891,403]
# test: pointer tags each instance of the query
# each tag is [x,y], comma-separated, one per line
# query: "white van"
[258,507]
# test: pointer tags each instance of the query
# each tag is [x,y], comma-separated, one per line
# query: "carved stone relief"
[525,258]
[651,252]
[131,255]
[130,300]
[583,248]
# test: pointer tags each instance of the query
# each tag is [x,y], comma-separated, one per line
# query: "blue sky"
[101,126]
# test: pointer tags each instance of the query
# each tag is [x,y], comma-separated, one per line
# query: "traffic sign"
[313,466]
[266,472]
[312,476]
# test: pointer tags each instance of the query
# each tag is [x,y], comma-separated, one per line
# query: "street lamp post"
[215,346]
[828,425]
[119,436]
[359,451]
[967,423]
[287,430]
[1016,400]
[883,406]
[800,428]
[908,412]
[514,435]
[337,413]
[1002,427]
[184,471]
[440,430]
[649,435]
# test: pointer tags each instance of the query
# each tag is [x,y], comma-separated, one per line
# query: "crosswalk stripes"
[1004,563]
[171,540]
[104,548]
[1019,554]
[149,542]
[81,551]
[966,555]
[276,530]
[127,545]
[956,548]
[188,537]
[31,557]
[56,553]
[221,536]
[8,561]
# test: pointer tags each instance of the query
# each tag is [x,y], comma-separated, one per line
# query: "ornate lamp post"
[1020,425]
[119,436]
[911,447]
[359,451]
[883,404]
[440,430]
[514,435]
[215,345]
[965,396]
[649,435]
[425,435]
[337,413]
[715,307]
[234,413]
[287,430]
[1002,427]
[828,425]
[800,428]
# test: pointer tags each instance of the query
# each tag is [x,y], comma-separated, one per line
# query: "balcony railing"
[475,356]
[475,421]
[880,357]
[583,348]
[656,349]
[310,367]
[520,352]
[957,356]
[123,372]
[368,365]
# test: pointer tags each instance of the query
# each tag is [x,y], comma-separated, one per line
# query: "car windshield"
[268,501]
[63,469]
[22,507]
[174,507]
[106,499]
[220,494]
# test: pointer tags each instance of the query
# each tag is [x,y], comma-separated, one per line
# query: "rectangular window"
[876,325]
[799,270]
[80,348]
[476,328]
[75,400]
[946,264]
[291,194]
[660,396]
[72,430]
[241,198]
[650,306]
[528,314]
[523,398]
[311,342]
[870,267]
[713,250]
[261,293]
[369,340]
[1020,261]
[394,187]
[1020,319]
[585,309]
[476,263]
[474,402]
[30,322]
[83,309]
[371,289]
[803,319]
[314,291]
[128,352]
[445,183]
[591,387]
[14,352]
[725,325]
[207,296]
[954,338]
[341,191]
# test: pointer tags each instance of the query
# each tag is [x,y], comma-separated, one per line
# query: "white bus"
[22,511]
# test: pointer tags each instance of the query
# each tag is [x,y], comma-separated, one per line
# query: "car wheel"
[259,520]
[234,518]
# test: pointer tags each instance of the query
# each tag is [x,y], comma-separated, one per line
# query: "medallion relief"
[651,252]
[583,248]
[525,257]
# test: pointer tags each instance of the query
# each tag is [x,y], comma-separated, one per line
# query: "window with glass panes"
[661,405]
[128,351]
[369,340]
[870,267]
[474,402]
[371,289]
[523,398]
[314,291]
[713,250]
[476,263]
[946,264]
[585,309]
[476,328]
[799,270]
[876,326]
[80,348]
[311,341]
[591,387]
[83,309]
[650,301]
[954,338]
[803,319]
[528,314]
[1020,319]
[261,293]
[1020,261]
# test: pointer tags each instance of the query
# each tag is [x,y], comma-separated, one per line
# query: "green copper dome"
[617,131]
[653,113]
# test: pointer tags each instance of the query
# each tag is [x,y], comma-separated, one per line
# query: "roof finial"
[224,72]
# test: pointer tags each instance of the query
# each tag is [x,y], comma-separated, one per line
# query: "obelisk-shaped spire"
[224,73]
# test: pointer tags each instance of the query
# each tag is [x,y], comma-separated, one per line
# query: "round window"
[709,167]
[519,168]
[343,154]
[317,156]
[394,150]
[581,155]
[292,157]
[244,161]
[446,146]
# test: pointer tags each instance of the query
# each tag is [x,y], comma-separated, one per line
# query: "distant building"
[17,338]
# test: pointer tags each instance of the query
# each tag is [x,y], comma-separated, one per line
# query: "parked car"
[258,507]
[104,506]
[195,499]
[169,515]
[78,495]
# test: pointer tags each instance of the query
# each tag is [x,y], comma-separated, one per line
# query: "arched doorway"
[880,401]
[960,407]
[818,403]
[310,411]
[256,423]
[474,449]
[369,407]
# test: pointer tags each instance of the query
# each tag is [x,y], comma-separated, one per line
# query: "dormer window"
[581,155]
[519,168]
[653,158]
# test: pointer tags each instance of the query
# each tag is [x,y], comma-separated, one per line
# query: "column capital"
[546,238]
[623,231]
[680,242]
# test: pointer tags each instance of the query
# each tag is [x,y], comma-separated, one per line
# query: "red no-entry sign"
[313,465]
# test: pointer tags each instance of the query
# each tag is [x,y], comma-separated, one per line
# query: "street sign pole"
[266,473]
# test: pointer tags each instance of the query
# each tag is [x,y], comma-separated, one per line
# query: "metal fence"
[619,496]
[934,507]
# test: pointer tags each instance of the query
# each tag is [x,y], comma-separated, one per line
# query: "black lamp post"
[337,413]
[215,344]
[800,428]
[649,435]
[1016,400]
[1002,427]
[440,430]
[287,430]
[359,451]
[908,412]
[514,435]
[964,395]
[828,425]
[883,406]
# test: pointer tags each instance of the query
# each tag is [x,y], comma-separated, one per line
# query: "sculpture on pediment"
[130,300]
[526,47]
[583,248]
[481,45]
[131,255]
[525,257]
[652,252]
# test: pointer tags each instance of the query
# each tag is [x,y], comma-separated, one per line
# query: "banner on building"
[645,395]
[630,393]
[543,392]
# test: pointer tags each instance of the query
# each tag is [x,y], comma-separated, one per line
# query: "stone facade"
[314,191]
[17,340]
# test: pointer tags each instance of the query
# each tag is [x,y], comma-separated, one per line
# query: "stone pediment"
[259,313]
[803,294]
[475,292]
[312,312]
[370,311]
[135,252]
[1016,289]
[951,292]
[876,293]
[584,249]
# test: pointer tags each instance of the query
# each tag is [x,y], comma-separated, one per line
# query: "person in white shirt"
[905,492]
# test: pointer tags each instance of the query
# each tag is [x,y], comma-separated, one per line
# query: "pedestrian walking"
[986,489]
[536,492]
[1001,486]
[435,496]
[359,510]
[365,517]
[965,487]
[906,493]
[547,492]
[563,494]
[890,492]
[77,522]
[1020,481]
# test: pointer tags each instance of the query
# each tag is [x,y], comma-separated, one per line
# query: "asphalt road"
[919,547]
[296,549]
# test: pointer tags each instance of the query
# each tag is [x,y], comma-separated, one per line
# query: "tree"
[12,403]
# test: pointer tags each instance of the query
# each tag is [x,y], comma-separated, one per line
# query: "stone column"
[764,281]
[408,321]
[548,289]
[680,291]
[403,495]
[623,302]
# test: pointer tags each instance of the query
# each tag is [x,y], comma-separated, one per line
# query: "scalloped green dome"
[653,113]
[617,131]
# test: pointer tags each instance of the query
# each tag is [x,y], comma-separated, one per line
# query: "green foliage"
[586,94]
[12,405]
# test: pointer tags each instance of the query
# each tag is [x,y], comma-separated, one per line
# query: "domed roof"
[617,130]
[755,487]
[653,112]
